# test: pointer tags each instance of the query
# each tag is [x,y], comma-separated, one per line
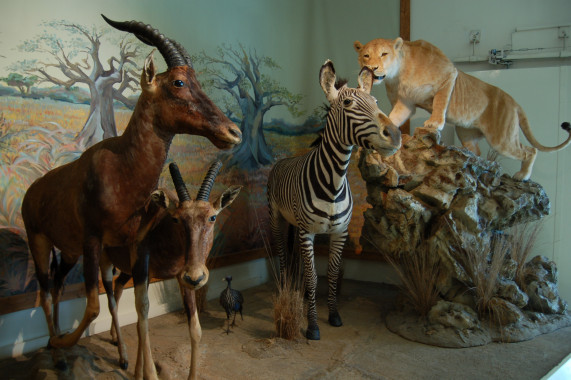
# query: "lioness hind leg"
[469,138]
[523,153]
[526,164]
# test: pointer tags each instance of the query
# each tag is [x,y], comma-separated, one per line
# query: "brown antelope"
[176,245]
[99,199]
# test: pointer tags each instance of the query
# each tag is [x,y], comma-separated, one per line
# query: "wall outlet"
[474,36]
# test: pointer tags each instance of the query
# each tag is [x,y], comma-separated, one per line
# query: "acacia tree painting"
[78,61]
[250,94]
[22,83]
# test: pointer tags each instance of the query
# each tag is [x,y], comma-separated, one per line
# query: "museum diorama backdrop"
[55,102]
[68,80]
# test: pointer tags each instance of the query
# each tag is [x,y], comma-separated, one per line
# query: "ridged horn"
[179,185]
[208,182]
[183,52]
[151,36]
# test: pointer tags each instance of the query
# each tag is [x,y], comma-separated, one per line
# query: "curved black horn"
[208,182]
[179,185]
[183,52]
[147,34]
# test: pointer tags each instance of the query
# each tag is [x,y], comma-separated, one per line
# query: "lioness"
[418,74]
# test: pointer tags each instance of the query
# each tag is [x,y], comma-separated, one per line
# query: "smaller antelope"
[175,243]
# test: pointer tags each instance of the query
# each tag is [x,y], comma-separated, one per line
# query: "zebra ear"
[327,80]
[366,79]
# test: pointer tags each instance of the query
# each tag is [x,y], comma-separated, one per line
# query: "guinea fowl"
[232,301]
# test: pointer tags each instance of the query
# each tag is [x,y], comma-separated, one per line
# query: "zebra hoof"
[335,319]
[312,333]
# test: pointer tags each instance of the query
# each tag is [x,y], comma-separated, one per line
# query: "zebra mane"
[319,138]
[340,82]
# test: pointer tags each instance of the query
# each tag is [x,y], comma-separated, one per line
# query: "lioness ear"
[366,79]
[327,81]
[149,72]
[358,46]
[398,43]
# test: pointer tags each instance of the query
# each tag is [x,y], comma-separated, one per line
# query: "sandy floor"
[362,348]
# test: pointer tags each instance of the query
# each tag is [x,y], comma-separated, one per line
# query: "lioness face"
[381,56]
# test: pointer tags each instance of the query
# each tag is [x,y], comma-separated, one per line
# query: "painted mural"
[54,107]
[74,82]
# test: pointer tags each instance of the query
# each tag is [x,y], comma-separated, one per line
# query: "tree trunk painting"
[66,68]
[238,73]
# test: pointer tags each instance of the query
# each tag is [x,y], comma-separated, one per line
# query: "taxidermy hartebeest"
[98,200]
[177,245]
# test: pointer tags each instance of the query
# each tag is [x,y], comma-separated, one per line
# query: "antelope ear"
[327,81]
[385,119]
[160,198]
[226,198]
[149,72]
[366,79]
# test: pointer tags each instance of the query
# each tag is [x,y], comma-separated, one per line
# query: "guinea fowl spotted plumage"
[232,301]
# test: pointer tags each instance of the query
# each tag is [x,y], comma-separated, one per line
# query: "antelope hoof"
[335,319]
[61,365]
[312,333]
[124,364]
[58,358]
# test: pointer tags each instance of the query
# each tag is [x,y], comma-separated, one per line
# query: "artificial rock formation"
[450,202]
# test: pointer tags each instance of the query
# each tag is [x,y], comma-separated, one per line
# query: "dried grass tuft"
[522,239]
[288,310]
[419,273]
[483,266]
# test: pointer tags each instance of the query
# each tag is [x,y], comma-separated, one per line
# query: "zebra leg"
[310,279]
[337,241]
[278,226]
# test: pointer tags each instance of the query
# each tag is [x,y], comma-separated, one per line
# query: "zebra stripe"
[312,193]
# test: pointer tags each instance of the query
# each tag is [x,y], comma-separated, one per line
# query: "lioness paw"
[434,124]
[428,134]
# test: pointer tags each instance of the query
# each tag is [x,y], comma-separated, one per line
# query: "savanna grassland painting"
[67,83]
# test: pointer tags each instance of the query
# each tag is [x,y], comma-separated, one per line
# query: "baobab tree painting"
[245,77]
[78,61]
[58,98]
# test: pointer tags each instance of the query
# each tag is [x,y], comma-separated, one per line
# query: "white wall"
[25,331]
[541,86]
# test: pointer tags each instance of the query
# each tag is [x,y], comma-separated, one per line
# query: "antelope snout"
[195,278]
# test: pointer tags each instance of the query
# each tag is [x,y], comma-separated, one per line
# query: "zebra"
[311,192]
